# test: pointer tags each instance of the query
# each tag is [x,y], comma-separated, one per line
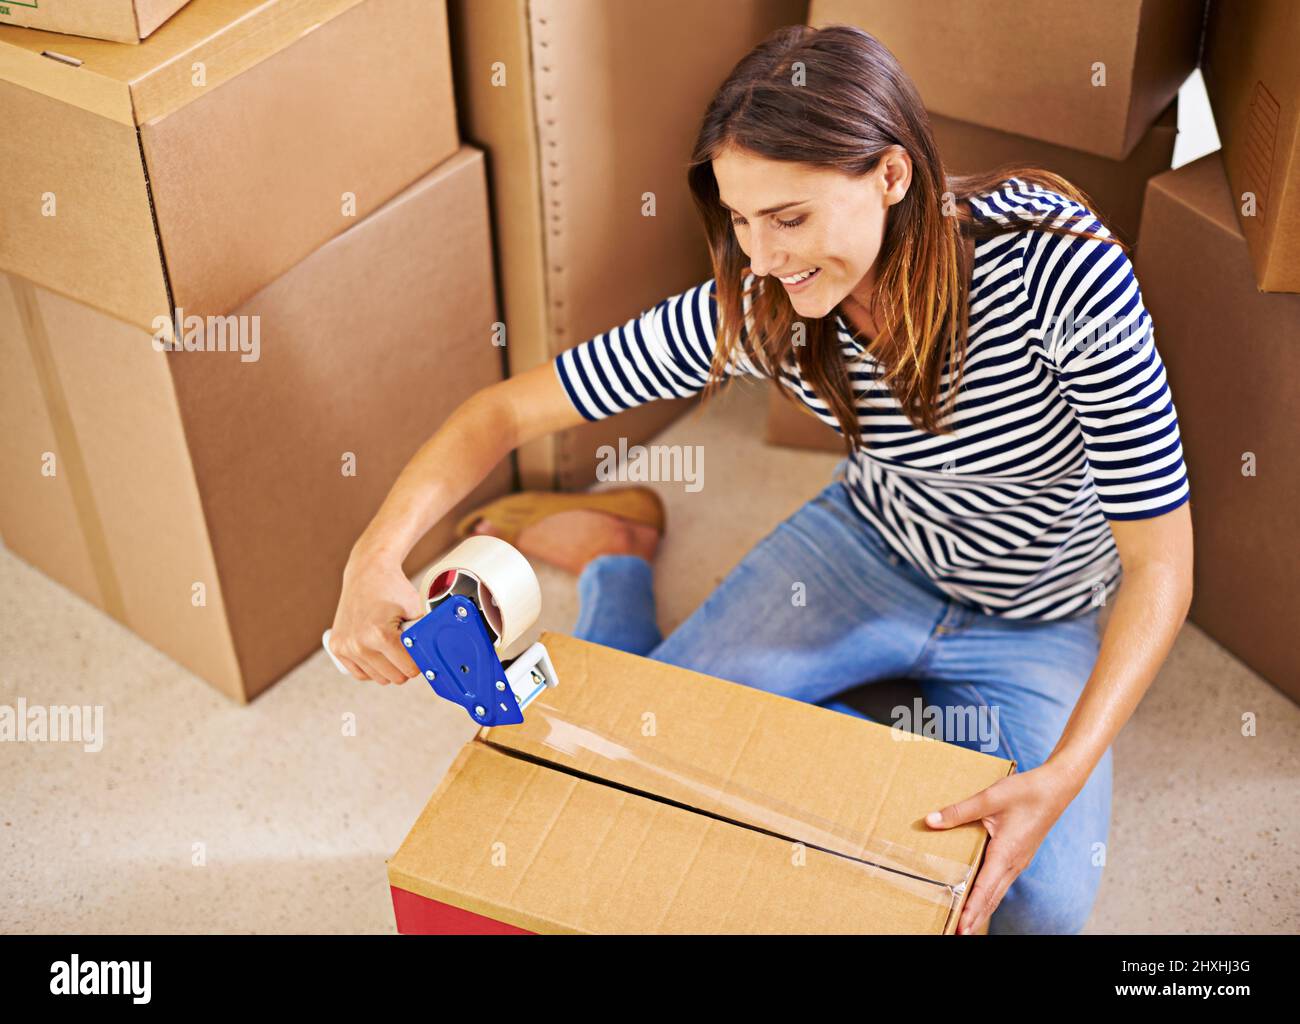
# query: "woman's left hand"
[1018,812]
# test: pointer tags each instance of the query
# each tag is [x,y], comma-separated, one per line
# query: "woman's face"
[792,218]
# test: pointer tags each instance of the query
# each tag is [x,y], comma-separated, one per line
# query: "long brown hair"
[835,97]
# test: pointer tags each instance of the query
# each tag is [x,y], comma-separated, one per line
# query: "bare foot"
[572,538]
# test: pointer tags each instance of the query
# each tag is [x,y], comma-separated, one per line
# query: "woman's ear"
[896,166]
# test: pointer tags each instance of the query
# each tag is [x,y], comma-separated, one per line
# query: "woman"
[1011,446]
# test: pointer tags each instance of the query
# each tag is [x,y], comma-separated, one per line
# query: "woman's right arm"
[483,430]
[663,352]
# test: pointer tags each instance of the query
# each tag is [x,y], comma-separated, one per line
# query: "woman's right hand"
[365,637]
[479,433]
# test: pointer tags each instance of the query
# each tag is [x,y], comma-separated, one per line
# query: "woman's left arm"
[1149,611]
[1089,321]
[1020,810]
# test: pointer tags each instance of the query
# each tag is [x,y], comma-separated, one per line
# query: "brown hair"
[835,97]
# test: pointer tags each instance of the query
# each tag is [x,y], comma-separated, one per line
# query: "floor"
[201,816]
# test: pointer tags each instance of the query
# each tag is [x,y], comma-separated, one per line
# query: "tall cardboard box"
[587,109]
[639,797]
[1093,76]
[199,166]
[208,497]
[1233,364]
[123,21]
[1253,79]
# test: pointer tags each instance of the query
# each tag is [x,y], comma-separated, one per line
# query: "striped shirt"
[1063,421]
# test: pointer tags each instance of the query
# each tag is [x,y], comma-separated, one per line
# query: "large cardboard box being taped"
[123,21]
[584,125]
[1253,78]
[199,166]
[1233,364]
[1092,76]
[209,502]
[642,797]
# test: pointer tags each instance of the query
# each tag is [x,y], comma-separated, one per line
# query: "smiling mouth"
[800,278]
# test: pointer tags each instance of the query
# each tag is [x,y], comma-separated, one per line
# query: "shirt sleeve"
[664,352]
[1100,342]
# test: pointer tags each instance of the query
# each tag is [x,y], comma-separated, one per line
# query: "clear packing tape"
[926,876]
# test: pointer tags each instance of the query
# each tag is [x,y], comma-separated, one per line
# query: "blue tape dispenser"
[479,598]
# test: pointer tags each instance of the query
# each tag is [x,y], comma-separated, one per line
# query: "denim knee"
[1033,907]
[616,604]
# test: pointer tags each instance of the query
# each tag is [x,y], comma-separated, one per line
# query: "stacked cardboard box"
[639,797]
[124,21]
[1217,236]
[1116,187]
[1253,80]
[1233,365]
[205,162]
[226,306]
[1089,92]
[588,133]
[1093,77]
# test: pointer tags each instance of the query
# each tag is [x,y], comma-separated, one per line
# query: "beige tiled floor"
[295,819]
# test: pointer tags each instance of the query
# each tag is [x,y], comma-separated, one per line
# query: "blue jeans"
[876,617]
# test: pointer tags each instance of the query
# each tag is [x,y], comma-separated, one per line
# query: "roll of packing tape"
[489,571]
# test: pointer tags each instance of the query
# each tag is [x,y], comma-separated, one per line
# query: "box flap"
[548,852]
[135,84]
[801,772]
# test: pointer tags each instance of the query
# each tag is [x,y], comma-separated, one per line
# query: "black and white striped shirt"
[1064,418]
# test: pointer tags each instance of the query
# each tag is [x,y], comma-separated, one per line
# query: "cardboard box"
[199,166]
[1116,187]
[1234,368]
[1030,68]
[209,501]
[580,122]
[123,21]
[1253,80]
[642,797]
